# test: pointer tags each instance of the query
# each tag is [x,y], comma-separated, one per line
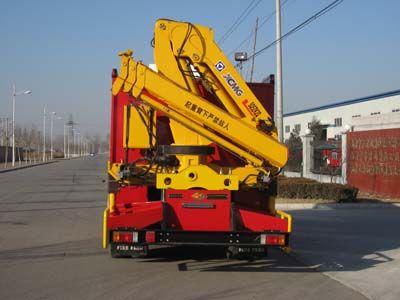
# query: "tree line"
[30,139]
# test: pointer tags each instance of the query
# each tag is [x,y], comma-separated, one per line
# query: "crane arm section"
[179,45]
[182,105]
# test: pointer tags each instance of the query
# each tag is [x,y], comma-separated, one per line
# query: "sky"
[64,51]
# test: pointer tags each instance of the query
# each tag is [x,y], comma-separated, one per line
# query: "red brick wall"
[373,161]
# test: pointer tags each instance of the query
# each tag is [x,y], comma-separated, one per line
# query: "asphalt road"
[359,247]
[50,248]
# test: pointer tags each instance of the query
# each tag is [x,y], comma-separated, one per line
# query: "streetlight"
[44,134]
[86,146]
[240,57]
[61,118]
[279,88]
[82,146]
[5,138]
[15,94]
[68,140]
[65,141]
[51,134]
[73,142]
[78,138]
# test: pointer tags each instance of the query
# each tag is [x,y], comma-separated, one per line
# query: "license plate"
[134,248]
[250,250]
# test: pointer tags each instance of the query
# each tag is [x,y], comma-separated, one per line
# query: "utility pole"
[14,94]
[51,134]
[81,144]
[13,127]
[7,144]
[44,134]
[64,142]
[68,141]
[254,51]
[78,148]
[73,142]
[2,131]
[279,97]
[70,125]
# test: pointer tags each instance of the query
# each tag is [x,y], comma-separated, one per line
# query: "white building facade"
[347,115]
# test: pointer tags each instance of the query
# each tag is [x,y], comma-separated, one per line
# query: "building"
[367,113]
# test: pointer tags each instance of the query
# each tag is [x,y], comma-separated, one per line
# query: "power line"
[224,36]
[239,21]
[267,18]
[300,26]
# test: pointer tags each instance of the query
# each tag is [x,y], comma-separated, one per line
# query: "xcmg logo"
[220,66]
[233,84]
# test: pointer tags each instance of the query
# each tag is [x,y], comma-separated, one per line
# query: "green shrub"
[304,188]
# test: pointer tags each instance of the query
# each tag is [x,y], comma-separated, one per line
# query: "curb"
[298,206]
[26,166]
[71,158]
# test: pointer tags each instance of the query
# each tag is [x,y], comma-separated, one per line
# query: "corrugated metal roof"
[346,102]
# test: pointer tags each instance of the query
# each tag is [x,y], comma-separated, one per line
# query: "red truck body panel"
[140,207]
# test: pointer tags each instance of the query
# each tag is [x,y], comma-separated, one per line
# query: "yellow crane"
[189,66]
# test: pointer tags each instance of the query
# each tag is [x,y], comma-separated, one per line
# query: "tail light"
[150,237]
[273,239]
[125,236]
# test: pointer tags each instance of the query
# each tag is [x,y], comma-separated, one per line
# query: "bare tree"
[318,130]
[295,147]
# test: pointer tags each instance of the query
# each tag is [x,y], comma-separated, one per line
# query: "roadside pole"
[279,118]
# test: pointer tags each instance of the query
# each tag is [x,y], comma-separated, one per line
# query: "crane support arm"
[198,114]
[178,44]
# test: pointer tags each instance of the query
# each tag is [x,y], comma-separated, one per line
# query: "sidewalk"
[329,206]
[23,165]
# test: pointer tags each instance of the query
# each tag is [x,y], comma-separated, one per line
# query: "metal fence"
[327,157]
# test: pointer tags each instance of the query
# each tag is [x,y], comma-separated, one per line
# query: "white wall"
[347,113]
[383,121]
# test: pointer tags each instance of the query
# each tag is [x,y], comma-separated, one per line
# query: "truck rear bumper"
[168,237]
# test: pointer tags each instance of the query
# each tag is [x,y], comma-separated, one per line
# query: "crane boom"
[198,114]
[194,155]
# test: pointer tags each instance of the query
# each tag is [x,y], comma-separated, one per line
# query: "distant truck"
[194,153]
